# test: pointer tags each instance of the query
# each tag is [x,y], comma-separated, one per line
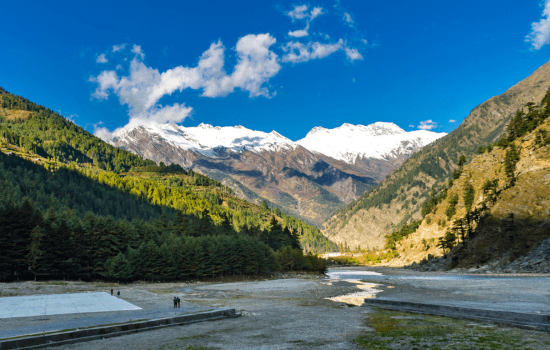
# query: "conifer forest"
[74,207]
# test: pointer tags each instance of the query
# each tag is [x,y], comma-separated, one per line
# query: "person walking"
[175,302]
[178,300]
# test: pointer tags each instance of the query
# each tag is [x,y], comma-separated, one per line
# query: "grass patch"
[190,347]
[56,283]
[162,291]
[198,336]
[399,330]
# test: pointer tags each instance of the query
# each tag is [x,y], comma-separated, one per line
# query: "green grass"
[56,283]
[198,336]
[399,330]
[190,347]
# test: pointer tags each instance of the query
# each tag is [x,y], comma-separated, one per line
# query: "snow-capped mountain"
[207,139]
[377,141]
[310,178]
[346,143]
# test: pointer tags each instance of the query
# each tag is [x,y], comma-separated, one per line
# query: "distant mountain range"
[310,178]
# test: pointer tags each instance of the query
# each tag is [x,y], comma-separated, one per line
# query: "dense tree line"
[161,168]
[59,244]
[66,188]
[401,233]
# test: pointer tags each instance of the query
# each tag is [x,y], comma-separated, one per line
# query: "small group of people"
[177,302]
[117,293]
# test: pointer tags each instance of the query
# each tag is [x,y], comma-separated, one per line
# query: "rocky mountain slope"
[399,198]
[310,178]
[496,211]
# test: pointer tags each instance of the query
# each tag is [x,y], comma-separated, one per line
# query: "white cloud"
[102,132]
[119,47]
[137,50]
[299,12]
[257,64]
[297,52]
[540,31]
[348,19]
[353,54]
[143,88]
[452,121]
[101,59]
[317,11]
[364,41]
[427,125]
[411,126]
[300,32]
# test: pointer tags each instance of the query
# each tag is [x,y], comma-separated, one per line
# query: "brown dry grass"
[12,114]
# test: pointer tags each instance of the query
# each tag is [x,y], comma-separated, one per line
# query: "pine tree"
[34,257]
[469,196]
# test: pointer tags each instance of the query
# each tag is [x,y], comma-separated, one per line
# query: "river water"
[525,293]
[367,290]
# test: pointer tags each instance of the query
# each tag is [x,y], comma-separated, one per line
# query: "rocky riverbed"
[293,312]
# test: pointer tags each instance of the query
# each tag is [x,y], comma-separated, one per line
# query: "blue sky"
[281,65]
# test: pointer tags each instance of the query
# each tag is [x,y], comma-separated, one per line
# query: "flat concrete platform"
[58,304]
[111,330]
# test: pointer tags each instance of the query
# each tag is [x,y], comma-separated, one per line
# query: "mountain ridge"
[206,137]
[268,166]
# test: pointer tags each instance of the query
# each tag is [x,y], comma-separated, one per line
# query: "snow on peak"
[375,129]
[206,139]
[347,142]
[379,140]
[315,130]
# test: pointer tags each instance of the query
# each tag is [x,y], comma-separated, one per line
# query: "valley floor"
[292,313]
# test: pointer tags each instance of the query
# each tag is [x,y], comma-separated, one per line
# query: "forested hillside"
[72,205]
[398,200]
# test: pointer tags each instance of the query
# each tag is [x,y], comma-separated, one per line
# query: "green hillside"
[64,192]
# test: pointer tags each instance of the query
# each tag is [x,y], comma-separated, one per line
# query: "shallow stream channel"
[505,292]
[367,290]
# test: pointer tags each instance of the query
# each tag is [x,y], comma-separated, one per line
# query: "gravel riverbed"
[290,312]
